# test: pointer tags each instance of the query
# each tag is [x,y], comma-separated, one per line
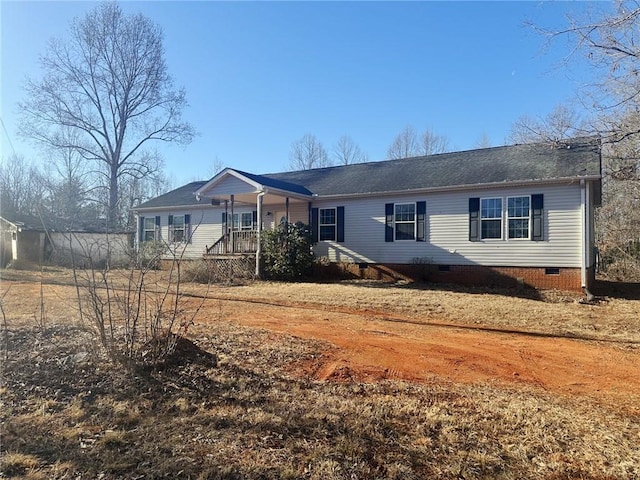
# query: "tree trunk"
[112,219]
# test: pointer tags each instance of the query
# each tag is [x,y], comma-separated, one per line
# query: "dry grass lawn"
[237,403]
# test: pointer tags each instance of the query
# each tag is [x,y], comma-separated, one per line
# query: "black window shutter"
[340,224]
[474,219]
[171,237]
[255,219]
[421,211]
[157,232]
[141,231]
[388,222]
[187,227]
[314,225]
[537,215]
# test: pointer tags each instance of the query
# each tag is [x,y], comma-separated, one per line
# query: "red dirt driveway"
[370,347]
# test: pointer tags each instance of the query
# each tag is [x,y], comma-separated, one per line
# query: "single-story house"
[47,239]
[519,214]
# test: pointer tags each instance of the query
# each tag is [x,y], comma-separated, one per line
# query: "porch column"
[286,209]
[259,231]
[233,243]
[225,232]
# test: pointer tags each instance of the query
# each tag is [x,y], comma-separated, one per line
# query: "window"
[327,224]
[491,217]
[149,234]
[178,228]
[518,215]
[405,221]
[247,221]
[524,215]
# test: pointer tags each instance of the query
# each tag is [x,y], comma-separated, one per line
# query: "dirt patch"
[370,348]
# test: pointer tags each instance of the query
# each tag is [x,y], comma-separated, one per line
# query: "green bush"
[286,251]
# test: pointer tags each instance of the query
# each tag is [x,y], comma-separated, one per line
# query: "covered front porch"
[251,204]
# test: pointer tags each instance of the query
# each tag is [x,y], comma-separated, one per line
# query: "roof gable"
[256,182]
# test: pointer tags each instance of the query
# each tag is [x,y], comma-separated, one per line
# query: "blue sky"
[259,76]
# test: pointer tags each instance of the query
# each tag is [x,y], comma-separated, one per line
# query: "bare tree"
[22,186]
[216,167]
[404,145]
[346,152]
[109,84]
[70,185]
[432,143]
[483,141]
[559,125]
[610,40]
[308,153]
[408,144]
[135,191]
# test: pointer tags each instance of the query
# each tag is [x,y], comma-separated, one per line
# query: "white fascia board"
[174,207]
[287,193]
[220,176]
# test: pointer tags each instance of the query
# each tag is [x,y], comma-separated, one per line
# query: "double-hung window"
[149,234]
[247,221]
[518,216]
[510,218]
[405,221]
[491,218]
[327,222]
[178,228]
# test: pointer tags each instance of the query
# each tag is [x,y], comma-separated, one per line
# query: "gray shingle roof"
[516,163]
[273,182]
[574,159]
[182,196]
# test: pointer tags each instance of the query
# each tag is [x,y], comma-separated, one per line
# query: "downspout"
[258,239]
[583,236]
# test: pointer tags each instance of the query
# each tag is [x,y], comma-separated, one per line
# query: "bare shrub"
[138,313]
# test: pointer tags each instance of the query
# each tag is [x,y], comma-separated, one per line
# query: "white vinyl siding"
[206,223]
[447,218]
[447,239]
[231,185]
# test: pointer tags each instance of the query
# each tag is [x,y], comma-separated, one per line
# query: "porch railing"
[243,241]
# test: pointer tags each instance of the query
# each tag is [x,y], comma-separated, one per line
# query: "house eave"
[173,207]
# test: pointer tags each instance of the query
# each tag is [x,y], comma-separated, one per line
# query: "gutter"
[174,207]
[584,234]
